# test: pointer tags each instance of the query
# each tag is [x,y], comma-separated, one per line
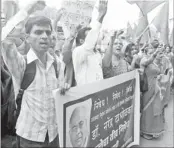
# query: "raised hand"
[35,6]
[136,57]
[120,32]
[113,35]
[140,71]
[60,13]
[8,43]
[64,88]
[74,30]
[102,9]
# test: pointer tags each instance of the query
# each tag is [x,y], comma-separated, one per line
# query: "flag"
[129,30]
[161,22]
[134,30]
[171,38]
[131,2]
[154,33]
[142,28]
[171,23]
[146,6]
[135,27]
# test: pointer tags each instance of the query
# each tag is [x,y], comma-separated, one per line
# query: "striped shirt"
[37,115]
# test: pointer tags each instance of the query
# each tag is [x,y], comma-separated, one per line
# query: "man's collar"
[50,57]
[31,56]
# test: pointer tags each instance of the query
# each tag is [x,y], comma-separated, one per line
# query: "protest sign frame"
[81,91]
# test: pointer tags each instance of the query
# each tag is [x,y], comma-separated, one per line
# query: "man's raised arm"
[108,55]
[12,58]
[68,45]
[91,39]
[21,16]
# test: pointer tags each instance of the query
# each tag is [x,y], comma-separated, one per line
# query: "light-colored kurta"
[88,63]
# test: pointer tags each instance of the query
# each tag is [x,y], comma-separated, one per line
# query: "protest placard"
[101,114]
[77,12]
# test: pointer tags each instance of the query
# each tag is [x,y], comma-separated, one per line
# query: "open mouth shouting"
[44,44]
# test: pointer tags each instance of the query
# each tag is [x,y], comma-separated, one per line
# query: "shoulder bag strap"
[28,78]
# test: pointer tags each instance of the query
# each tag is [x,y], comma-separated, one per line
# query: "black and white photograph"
[113,58]
[78,124]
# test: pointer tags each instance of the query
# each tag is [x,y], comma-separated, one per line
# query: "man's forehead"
[78,115]
[77,120]
[41,27]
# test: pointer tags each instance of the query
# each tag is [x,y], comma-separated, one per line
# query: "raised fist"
[113,35]
[75,29]
[102,9]
[120,32]
[35,6]
[60,12]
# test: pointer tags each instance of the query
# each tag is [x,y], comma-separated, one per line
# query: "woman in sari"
[114,61]
[152,120]
[118,60]
[165,83]
[168,52]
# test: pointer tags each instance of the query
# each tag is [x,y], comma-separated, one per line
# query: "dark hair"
[37,20]
[129,47]
[170,48]
[81,34]
[152,43]
[59,29]
[147,48]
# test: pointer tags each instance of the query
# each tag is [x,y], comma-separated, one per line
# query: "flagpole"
[144,31]
[146,28]
[145,15]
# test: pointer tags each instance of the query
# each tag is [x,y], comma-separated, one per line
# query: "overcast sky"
[119,12]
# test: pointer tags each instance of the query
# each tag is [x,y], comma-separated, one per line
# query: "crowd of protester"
[34,49]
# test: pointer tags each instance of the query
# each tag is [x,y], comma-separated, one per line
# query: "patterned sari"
[114,70]
[165,82]
[152,120]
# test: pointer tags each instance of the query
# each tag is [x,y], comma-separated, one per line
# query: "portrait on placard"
[78,124]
